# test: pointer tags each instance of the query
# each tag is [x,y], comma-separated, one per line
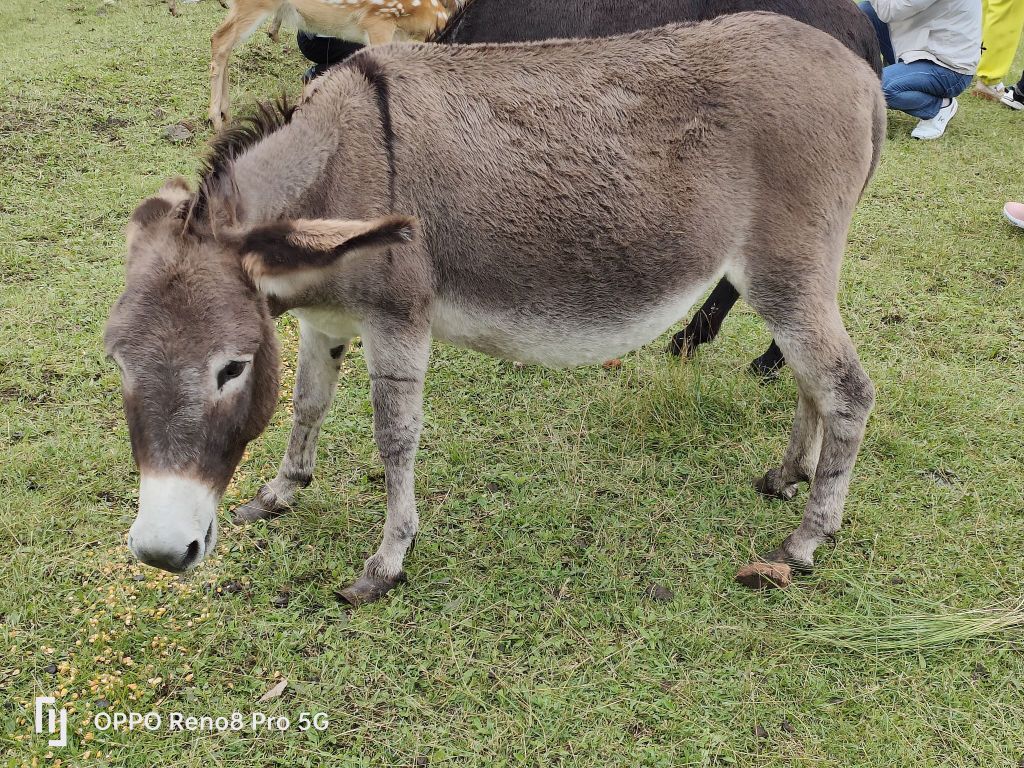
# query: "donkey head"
[194,339]
[199,375]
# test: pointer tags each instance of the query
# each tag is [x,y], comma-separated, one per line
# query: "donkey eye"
[230,371]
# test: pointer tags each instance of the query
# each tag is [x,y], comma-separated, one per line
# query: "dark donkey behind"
[573,199]
[501,21]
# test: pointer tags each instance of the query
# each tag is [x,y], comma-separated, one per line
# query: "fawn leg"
[239,24]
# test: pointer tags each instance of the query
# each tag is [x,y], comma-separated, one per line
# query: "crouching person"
[931,50]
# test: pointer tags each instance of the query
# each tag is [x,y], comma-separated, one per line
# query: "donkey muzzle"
[177,522]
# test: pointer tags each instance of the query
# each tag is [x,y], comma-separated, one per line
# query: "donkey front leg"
[768,365]
[707,322]
[320,359]
[397,362]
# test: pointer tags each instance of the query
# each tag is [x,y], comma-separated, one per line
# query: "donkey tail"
[878,129]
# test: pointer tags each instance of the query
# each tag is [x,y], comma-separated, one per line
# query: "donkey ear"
[176,189]
[172,194]
[309,247]
[169,200]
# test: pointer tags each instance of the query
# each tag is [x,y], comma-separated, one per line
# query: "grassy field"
[551,502]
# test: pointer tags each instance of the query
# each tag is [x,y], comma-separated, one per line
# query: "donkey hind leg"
[836,397]
[801,457]
[707,322]
[320,359]
[241,21]
[397,362]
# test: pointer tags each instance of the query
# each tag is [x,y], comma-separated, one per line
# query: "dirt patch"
[943,478]
[107,126]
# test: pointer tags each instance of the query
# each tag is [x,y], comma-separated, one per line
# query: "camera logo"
[53,715]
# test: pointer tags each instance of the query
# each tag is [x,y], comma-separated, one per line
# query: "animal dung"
[659,593]
[765,575]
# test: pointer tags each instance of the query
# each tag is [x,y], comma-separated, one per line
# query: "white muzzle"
[177,522]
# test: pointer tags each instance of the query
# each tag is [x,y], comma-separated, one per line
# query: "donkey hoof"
[780,555]
[765,373]
[770,486]
[768,366]
[367,589]
[263,507]
[682,345]
[765,575]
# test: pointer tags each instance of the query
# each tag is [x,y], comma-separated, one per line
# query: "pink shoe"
[1014,212]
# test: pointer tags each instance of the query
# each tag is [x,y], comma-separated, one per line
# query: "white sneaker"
[1010,99]
[934,128]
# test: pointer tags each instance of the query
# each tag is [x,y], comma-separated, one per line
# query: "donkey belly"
[558,338]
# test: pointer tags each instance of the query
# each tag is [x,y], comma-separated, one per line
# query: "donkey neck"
[275,175]
[328,161]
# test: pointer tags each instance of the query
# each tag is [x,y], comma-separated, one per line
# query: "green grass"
[550,501]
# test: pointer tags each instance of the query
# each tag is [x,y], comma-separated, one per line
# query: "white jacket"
[947,32]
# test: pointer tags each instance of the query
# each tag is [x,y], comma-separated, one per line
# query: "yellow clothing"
[1003,21]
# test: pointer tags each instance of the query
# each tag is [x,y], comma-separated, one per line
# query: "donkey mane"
[230,143]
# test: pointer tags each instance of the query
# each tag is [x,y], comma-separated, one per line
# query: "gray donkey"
[559,203]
